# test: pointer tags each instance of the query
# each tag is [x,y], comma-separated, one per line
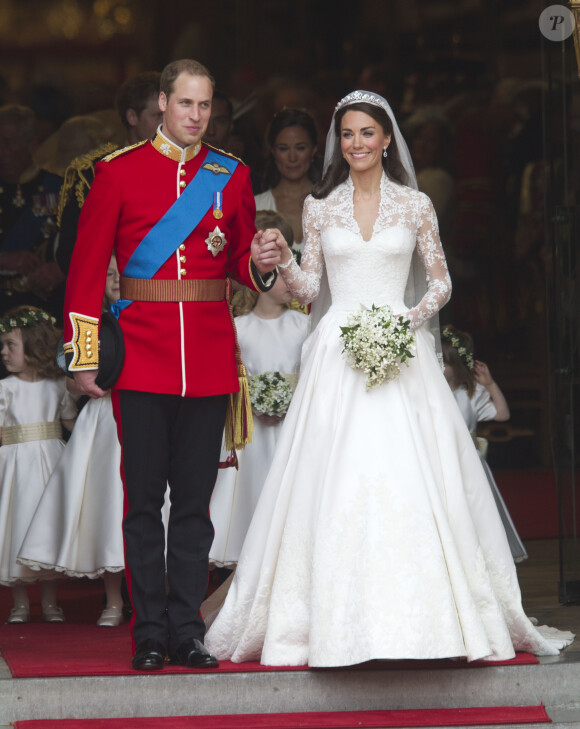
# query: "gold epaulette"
[76,177]
[225,154]
[124,150]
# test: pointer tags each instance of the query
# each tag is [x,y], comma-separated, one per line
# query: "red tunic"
[172,348]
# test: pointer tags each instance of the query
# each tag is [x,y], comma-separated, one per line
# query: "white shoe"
[19,614]
[111,617]
[52,614]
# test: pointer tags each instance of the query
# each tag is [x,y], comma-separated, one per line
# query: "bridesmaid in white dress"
[76,529]
[479,398]
[271,337]
[34,404]
[376,535]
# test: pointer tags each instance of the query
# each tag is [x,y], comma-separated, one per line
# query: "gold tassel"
[239,429]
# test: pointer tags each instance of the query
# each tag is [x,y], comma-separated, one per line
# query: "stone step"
[554,682]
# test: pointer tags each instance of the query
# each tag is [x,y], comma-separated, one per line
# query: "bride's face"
[362,140]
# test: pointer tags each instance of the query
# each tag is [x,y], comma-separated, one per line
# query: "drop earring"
[385,155]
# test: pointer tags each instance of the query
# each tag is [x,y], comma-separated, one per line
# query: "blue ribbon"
[179,221]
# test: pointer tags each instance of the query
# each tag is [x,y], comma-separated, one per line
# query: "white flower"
[377,342]
[166,149]
[270,393]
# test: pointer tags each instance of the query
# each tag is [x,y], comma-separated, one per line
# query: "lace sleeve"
[304,281]
[430,252]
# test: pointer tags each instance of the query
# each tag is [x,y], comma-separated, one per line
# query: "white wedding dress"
[376,535]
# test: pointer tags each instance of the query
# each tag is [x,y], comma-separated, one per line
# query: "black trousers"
[168,439]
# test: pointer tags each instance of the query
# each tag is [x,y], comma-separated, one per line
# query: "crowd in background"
[478,154]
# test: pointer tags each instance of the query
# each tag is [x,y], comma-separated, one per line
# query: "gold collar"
[171,150]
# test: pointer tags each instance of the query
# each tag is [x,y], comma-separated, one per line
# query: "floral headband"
[464,354]
[28,318]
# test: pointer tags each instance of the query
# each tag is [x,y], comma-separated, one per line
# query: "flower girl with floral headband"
[479,398]
[34,405]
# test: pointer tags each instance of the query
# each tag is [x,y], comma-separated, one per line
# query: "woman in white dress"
[376,535]
[291,167]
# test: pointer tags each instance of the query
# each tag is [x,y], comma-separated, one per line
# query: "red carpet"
[39,650]
[80,648]
[316,720]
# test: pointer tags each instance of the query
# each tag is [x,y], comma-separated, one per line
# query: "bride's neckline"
[351,191]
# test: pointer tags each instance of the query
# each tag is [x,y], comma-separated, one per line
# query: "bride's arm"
[431,254]
[304,281]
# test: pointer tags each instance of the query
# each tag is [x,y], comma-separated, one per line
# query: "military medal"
[217,206]
[216,241]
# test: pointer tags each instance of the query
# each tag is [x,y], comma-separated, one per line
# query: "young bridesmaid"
[270,334]
[84,501]
[34,405]
[479,398]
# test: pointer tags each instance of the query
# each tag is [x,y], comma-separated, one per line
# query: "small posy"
[270,393]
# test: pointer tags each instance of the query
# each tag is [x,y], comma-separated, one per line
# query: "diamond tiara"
[361,96]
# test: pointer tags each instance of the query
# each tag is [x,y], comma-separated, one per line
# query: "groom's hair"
[175,68]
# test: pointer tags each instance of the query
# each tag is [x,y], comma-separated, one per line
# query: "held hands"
[86,383]
[265,250]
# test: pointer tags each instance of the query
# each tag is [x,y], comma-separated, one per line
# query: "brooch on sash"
[216,241]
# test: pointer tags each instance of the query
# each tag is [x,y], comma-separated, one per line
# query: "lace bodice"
[374,271]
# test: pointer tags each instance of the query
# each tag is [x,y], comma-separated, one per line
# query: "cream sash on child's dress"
[31,431]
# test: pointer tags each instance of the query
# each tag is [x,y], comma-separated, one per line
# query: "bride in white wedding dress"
[376,535]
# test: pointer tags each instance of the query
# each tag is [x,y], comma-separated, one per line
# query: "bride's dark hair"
[338,169]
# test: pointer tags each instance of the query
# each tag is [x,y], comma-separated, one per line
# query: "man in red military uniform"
[180,217]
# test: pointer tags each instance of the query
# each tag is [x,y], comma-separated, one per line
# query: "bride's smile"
[362,141]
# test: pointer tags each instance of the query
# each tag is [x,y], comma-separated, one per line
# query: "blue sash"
[179,221]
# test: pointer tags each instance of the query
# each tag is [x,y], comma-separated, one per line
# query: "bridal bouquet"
[378,343]
[270,393]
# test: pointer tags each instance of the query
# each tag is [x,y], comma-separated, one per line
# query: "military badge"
[216,241]
[216,168]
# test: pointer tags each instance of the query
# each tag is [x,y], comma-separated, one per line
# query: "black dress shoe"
[193,654]
[149,656]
